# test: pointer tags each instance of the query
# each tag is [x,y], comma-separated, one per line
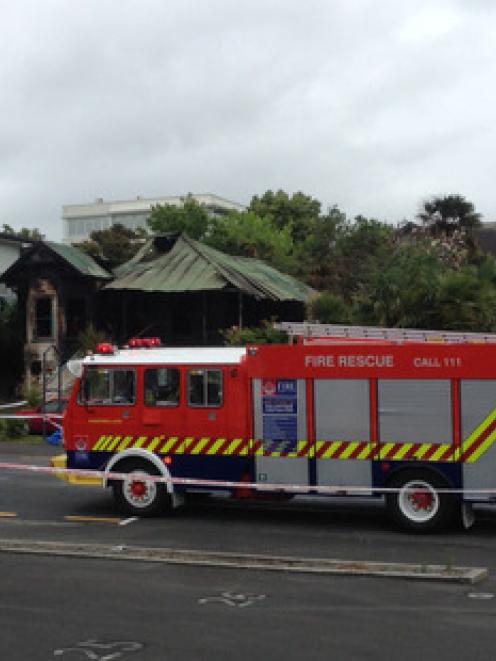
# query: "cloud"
[370,104]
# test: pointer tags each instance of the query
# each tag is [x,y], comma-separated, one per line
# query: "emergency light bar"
[105,348]
[144,342]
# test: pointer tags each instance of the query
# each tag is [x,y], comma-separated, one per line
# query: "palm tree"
[445,215]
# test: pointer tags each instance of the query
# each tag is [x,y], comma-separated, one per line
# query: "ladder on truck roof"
[315,330]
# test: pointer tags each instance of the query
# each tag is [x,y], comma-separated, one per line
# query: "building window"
[162,386]
[204,387]
[43,322]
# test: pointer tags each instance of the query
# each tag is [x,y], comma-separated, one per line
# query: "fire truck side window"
[204,387]
[162,386]
[103,386]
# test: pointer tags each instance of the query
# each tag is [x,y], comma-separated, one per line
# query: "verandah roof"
[192,266]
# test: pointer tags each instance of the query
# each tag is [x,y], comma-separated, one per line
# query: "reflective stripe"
[471,449]
[156,440]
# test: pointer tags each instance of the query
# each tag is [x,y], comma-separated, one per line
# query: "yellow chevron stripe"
[352,446]
[198,449]
[366,452]
[140,442]
[218,444]
[259,451]
[399,454]
[155,441]
[385,448]
[113,444]
[125,442]
[438,453]
[482,448]
[233,447]
[99,442]
[308,453]
[332,449]
[106,445]
[102,441]
[212,448]
[422,450]
[478,430]
[168,444]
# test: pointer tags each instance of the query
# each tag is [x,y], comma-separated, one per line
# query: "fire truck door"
[342,432]
[279,422]
[478,406]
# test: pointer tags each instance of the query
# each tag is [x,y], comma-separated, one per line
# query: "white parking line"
[127,521]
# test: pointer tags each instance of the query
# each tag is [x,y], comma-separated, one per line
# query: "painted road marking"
[93,649]
[481,595]
[93,519]
[126,522]
[7,515]
[235,600]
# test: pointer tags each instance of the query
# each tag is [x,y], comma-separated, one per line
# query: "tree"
[245,233]
[449,213]
[403,292]
[416,289]
[361,250]
[113,246]
[191,218]
[295,212]
[315,253]
[23,233]
[329,308]
[466,302]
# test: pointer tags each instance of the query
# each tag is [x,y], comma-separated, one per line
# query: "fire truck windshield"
[108,386]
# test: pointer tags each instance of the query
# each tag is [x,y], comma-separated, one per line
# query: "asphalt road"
[79,608]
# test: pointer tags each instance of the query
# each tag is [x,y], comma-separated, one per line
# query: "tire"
[136,497]
[417,505]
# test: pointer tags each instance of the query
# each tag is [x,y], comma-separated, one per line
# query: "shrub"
[263,334]
[10,429]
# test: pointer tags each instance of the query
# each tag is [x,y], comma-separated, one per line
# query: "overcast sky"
[372,105]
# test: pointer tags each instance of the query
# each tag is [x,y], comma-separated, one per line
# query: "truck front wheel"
[416,503]
[137,496]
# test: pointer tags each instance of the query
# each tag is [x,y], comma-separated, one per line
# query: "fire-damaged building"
[175,288]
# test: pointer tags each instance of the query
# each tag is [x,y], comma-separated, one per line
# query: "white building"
[82,219]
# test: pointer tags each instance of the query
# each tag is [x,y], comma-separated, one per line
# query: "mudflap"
[468,517]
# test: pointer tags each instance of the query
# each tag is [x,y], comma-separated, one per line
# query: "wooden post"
[240,309]
[204,318]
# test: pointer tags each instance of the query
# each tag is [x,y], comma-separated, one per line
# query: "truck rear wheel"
[418,505]
[136,496]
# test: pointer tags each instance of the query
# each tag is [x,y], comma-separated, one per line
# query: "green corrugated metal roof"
[83,263]
[193,266]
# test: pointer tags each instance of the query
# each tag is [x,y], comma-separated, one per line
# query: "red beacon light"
[104,347]
[144,342]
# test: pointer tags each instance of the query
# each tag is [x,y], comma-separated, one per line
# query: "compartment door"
[478,451]
[342,433]
[280,427]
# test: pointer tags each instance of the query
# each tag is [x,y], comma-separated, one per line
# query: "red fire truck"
[408,413]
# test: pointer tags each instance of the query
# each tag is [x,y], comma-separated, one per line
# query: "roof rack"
[315,330]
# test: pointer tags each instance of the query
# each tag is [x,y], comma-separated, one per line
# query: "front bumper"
[60,461]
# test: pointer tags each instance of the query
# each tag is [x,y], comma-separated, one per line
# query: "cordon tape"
[198,482]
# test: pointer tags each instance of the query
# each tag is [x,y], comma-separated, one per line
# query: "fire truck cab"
[411,417]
